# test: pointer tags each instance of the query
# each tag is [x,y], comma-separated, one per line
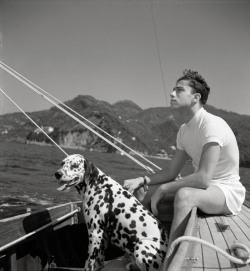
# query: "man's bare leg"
[145,196]
[210,201]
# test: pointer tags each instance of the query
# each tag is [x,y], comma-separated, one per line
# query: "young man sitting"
[215,186]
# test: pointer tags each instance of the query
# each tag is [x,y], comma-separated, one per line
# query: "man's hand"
[157,196]
[133,184]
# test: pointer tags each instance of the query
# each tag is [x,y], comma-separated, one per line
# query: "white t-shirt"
[204,128]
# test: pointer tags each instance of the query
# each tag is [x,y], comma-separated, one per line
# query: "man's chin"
[174,105]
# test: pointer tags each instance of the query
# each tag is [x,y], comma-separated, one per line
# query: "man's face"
[182,95]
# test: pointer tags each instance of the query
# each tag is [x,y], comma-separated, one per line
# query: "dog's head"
[74,170]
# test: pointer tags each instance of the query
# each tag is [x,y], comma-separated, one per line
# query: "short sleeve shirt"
[204,128]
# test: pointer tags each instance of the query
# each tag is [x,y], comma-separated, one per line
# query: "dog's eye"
[74,166]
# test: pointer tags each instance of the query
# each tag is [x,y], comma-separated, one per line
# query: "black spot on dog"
[126,194]
[117,211]
[141,218]
[156,265]
[132,224]
[133,210]
[121,205]
[128,216]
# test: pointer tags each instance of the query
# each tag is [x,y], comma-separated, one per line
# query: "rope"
[158,51]
[34,122]
[60,102]
[76,119]
[217,249]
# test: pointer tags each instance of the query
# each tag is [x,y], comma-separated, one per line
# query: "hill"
[151,131]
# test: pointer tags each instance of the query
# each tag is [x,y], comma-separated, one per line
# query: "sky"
[124,50]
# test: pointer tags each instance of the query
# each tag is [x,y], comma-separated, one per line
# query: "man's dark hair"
[198,83]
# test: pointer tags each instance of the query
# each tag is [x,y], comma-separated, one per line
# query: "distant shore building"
[46,129]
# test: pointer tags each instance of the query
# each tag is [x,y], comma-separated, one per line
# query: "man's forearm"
[194,180]
[161,177]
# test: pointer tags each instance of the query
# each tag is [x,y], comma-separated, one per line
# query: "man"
[214,187]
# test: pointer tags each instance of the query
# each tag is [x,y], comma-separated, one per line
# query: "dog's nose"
[58,175]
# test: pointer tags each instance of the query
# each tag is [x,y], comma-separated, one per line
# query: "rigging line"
[158,51]
[34,122]
[120,142]
[79,121]
[1,72]
[60,102]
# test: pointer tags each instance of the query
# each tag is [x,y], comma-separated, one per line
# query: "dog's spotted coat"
[113,214]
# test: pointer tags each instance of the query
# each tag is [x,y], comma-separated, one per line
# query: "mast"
[158,51]
[1,71]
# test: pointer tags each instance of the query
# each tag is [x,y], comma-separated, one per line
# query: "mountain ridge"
[150,131]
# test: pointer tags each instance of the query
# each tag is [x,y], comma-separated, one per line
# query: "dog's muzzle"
[67,184]
[58,175]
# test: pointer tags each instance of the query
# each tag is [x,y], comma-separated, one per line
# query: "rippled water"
[27,175]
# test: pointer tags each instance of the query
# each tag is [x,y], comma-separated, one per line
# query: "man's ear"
[197,96]
[90,171]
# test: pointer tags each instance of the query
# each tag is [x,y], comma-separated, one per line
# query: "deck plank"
[211,229]
[229,238]
[245,217]
[241,230]
[236,233]
[198,265]
[220,242]
[211,232]
[245,211]
[210,258]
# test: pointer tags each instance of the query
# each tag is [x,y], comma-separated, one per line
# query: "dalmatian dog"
[113,214]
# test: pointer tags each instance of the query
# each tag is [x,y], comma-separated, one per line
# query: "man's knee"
[184,197]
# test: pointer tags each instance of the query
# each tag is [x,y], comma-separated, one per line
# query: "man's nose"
[172,95]
[58,175]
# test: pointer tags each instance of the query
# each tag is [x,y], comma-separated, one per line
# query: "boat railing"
[20,228]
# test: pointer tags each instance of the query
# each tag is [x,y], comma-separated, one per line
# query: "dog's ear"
[91,172]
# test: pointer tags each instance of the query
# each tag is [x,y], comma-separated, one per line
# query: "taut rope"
[158,50]
[70,109]
[32,87]
[217,249]
[34,122]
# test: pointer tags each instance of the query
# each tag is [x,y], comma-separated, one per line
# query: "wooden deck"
[53,235]
[218,230]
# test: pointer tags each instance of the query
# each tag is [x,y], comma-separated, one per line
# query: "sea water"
[27,175]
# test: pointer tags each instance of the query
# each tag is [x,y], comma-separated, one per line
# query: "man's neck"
[190,112]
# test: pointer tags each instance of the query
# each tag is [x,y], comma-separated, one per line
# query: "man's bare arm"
[202,178]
